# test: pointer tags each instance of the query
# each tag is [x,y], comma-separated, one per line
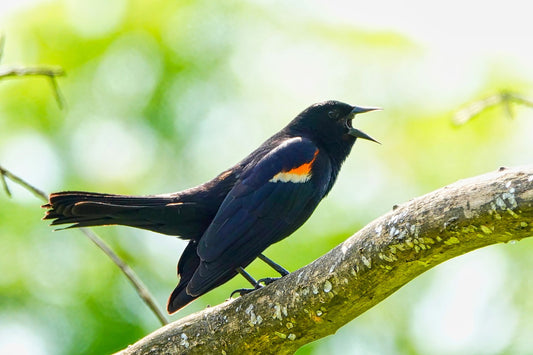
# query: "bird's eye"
[333,114]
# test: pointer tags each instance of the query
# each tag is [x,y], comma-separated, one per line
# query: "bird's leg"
[247,276]
[280,269]
[258,284]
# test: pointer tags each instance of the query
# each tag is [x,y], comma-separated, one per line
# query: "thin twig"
[522,100]
[51,72]
[4,185]
[7,174]
[139,286]
[57,92]
[31,71]
[504,98]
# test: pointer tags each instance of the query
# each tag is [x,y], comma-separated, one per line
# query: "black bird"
[230,220]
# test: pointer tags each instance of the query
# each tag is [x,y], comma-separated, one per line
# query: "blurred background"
[163,95]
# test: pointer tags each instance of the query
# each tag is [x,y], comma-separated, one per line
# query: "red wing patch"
[299,174]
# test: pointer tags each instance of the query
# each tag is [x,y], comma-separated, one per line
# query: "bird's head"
[330,123]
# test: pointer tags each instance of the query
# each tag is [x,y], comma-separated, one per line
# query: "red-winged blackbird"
[230,220]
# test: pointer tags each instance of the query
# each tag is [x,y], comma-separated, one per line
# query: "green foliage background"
[162,95]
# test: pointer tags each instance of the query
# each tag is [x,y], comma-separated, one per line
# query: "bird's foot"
[267,280]
[245,291]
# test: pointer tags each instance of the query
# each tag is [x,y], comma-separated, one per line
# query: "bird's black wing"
[271,200]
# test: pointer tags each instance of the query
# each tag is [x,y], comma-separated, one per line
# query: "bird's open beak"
[360,134]
[357,109]
[354,131]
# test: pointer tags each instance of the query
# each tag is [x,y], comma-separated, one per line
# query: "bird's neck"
[337,155]
[339,150]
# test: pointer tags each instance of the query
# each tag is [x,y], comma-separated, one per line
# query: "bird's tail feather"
[84,209]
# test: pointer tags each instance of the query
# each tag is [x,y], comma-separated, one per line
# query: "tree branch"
[50,72]
[31,71]
[318,299]
[4,173]
[505,98]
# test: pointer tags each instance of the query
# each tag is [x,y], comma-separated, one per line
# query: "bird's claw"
[245,291]
[267,280]
[260,283]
